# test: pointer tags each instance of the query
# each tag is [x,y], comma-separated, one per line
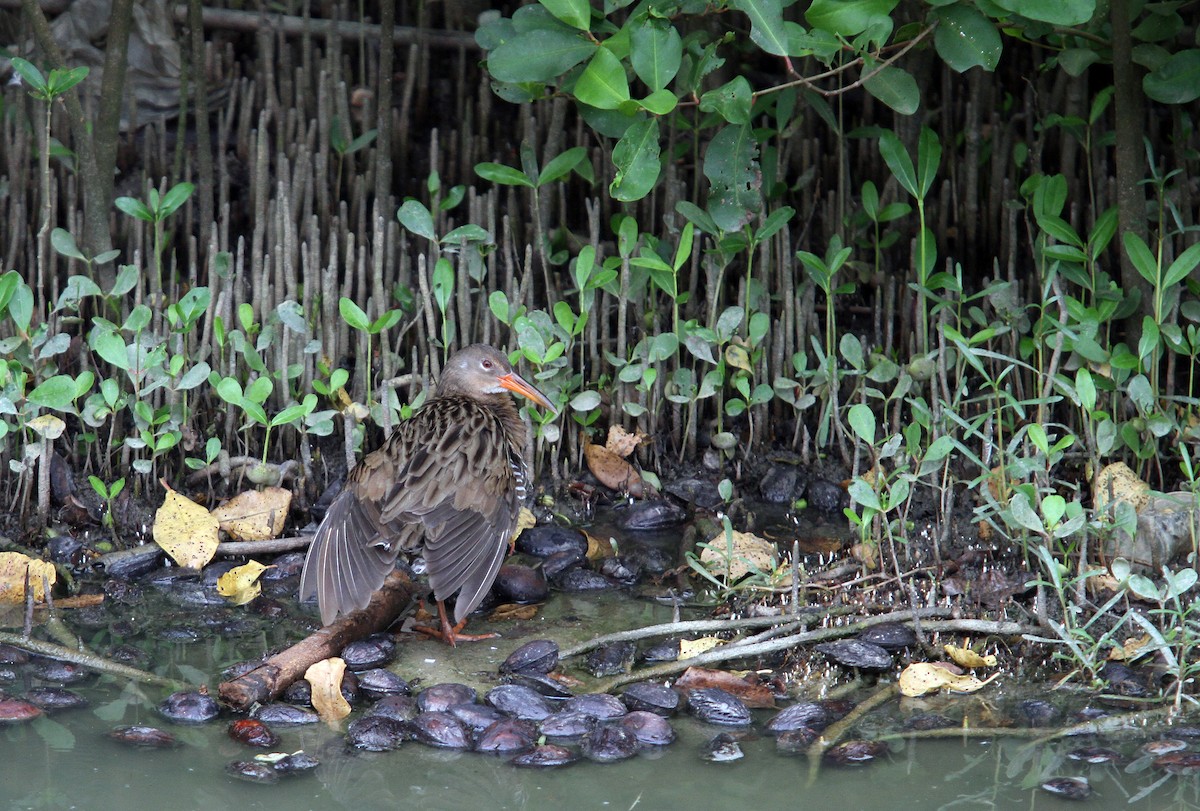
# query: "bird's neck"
[514,426]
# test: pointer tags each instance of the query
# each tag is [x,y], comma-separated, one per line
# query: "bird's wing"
[461,481]
[349,557]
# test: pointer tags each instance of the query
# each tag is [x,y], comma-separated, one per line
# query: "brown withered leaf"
[613,471]
[753,695]
[623,443]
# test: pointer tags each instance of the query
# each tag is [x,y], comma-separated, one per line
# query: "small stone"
[826,496]
[542,542]
[188,707]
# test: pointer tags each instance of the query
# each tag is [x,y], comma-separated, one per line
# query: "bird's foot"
[451,634]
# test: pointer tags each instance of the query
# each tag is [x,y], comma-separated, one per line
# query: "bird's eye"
[486,364]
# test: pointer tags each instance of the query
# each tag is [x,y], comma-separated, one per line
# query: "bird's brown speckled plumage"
[452,476]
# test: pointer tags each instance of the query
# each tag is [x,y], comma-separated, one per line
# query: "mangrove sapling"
[155,211]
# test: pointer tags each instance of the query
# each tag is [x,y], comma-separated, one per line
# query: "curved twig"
[88,660]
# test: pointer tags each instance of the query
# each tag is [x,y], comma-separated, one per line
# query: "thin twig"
[88,660]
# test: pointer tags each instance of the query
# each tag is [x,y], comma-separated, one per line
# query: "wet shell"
[537,656]
[1069,788]
[665,651]
[252,772]
[440,697]
[560,563]
[651,697]
[521,584]
[567,725]
[477,717]
[60,672]
[1181,763]
[1094,755]
[1038,713]
[546,756]
[601,706]
[716,706]
[607,744]
[151,737]
[297,763]
[54,698]
[540,683]
[622,570]
[576,580]
[508,735]
[542,542]
[253,732]
[610,660]
[11,655]
[377,683]
[928,720]
[518,702]
[1164,746]
[648,728]
[855,653]
[722,749]
[398,708]
[441,729]
[891,636]
[855,753]
[796,741]
[284,715]
[375,651]
[804,714]
[189,708]
[376,733]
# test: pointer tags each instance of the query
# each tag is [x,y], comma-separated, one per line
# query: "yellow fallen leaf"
[525,520]
[186,531]
[1116,483]
[747,553]
[13,566]
[255,515]
[694,647]
[325,677]
[1133,648]
[966,657]
[598,548]
[736,355]
[920,678]
[47,426]
[240,585]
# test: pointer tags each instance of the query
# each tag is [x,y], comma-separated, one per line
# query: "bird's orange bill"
[515,383]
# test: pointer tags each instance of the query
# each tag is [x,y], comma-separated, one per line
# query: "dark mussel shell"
[507,736]
[546,756]
[609,660]
[607,744]
[441,697]
[536,656]
[601,706]
[855,653]
[519,702]
[651,697]
[648,728]
[441,729]
[377,733]
[716,706]
[800,715]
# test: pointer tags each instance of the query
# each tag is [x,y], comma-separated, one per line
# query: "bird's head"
[482,371]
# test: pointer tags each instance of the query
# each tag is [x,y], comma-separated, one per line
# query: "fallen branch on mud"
[86,659]
[273,676]
[737,650]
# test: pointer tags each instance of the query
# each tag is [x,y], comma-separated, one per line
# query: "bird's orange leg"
[451,634]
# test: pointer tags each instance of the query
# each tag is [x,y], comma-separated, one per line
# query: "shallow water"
[66,761]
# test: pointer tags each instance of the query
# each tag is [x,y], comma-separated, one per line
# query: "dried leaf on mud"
[513,611]
[186,531]
[13,566]
[965,657]
[751,694]
[240,585]
[255,515]
[733,559]
[1116,483]
[621,442]
[921,678]
[613,471]
[694,647]
[325,678]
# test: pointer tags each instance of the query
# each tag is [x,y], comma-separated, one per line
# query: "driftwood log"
[273,676]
